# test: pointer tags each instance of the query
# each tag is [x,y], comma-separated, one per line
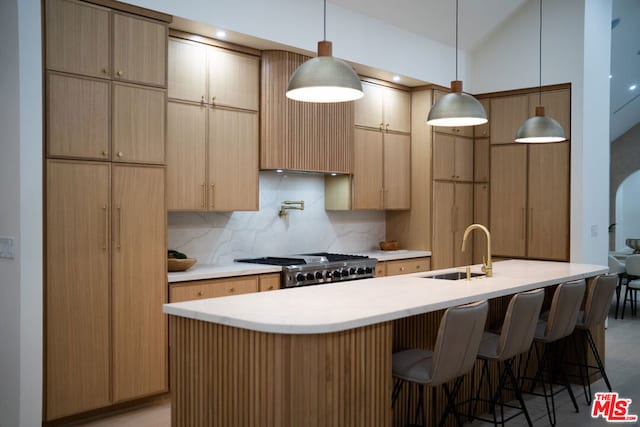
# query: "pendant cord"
[540,59]
[457,39]
[324,35]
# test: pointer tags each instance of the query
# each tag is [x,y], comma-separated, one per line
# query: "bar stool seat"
[454,353]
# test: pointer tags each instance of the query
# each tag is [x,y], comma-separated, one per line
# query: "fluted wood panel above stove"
[297,135]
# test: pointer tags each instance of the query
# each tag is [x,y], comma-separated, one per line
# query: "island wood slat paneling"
[225,376]
[298,135]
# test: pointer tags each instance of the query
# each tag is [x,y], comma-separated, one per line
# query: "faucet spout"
[487,267]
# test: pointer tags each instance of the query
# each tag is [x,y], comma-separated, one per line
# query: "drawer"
[406,266]
[213,288]
[381,269]
[269,282]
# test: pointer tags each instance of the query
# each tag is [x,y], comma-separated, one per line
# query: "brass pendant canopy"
[457,109]
[324,79]
[540,129]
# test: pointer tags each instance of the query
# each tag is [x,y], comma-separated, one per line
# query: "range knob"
[336,274]
[300,277]
[352,270]
[328,275]
[360,270]
[368,270]
[310,276]
[344,273]
[319,275]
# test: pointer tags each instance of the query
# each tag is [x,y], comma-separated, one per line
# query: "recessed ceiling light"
[221,34]
[610,76]
[396,78]
[632,87]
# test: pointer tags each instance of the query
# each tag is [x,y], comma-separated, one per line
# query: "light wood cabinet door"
[381,269]
[463,159]
[77,38]
[396,110]
[508,200]
[139,280]
[202,289]
[233,160]
[507,115]
[367,169]
[466,131]
[406,266]
[463,211]
[368,109]
[557,105]
[77,287]
[548,215]
[397,171]
[481,160]
[78,122]
[444,156]
[139,50]
[269,282]
[480,216]
[443,225]
[186,156]
[233,79]
[139,117]
[482,131]
[187,71]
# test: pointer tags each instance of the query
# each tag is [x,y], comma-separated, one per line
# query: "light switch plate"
[594,230]
[6,247]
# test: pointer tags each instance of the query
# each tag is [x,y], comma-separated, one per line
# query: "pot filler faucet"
[487,267]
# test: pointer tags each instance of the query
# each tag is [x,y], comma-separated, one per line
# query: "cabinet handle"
[120,154]
[381,126]
[119,244]
[106,227]
[213,195]
[203,194]
[386,127]
[120,73]
[401,268]
[232,290]
[530,224]
[104,154]
[213,100]
[270,288]
[104,71]
[199,293]
[202,100]
[524,225]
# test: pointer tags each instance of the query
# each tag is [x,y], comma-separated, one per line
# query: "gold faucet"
[488,266]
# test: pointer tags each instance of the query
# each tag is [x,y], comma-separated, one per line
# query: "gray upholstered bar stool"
[559,323]
[453,355]
[516,336]
[632,265]
[595,312]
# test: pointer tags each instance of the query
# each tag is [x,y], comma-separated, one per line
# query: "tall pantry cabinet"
[105,260]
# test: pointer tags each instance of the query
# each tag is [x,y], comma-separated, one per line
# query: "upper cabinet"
[507,114]
[213,75]
[383,108]
[460,131]
[297,135]
[139,50]
[78,38]
[452,157]
[482,131]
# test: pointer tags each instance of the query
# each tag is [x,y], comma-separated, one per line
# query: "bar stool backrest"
[564,310]
[632,265]
[598,301]
[458,341]
[615,265]
[520,323]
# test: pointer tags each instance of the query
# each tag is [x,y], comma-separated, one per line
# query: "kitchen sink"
[456,275]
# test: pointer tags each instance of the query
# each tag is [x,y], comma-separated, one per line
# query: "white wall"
[219,238]
[21,213]
[575,49]
[628,210]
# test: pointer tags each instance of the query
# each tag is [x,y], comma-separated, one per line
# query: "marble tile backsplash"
[221,237]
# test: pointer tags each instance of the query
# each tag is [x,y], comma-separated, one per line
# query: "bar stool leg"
[596,354]
[586,384]
[563,375]
[514,382]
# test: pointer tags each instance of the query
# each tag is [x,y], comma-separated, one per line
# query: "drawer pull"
[232,290]
[200,293]
[401,268]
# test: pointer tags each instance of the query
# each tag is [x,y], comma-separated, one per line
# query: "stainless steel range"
[318,268]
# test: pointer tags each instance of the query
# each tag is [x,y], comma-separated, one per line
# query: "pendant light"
[324,78]
[457,108]
[540,128]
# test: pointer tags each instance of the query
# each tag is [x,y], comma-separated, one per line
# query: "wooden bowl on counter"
[175,264]
[389,245]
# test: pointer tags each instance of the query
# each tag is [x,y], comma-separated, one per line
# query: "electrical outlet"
[6,247]
[594,231]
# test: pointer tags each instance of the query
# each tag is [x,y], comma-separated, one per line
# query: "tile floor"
[623,368]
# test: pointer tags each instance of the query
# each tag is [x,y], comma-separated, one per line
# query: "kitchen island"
[321,355]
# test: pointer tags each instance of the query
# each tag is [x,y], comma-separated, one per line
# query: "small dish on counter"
[389,245]
[176,264]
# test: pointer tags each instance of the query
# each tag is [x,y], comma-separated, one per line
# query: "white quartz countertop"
[210,271]
[341,306]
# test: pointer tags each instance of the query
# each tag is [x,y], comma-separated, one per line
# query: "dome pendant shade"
[324,79]
[457,109]
[540,129]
